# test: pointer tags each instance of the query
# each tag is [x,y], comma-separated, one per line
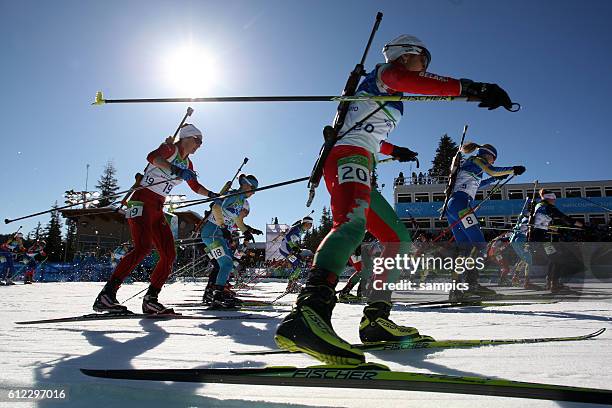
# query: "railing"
[418,180]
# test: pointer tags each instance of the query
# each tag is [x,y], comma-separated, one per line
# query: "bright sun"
[190,70]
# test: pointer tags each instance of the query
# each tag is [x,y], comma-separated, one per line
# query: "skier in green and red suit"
[357,207]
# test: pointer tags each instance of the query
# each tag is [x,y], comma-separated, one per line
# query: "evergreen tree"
[53,236]
[444,157]
[70,242]
[36,233]
[107,184]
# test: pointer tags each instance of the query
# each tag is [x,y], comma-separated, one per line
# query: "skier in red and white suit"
[169,165]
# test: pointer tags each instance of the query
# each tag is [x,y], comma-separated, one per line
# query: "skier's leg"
[385,225]
[308,327]
[164,242]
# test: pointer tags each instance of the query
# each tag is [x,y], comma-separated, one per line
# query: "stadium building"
[421,199]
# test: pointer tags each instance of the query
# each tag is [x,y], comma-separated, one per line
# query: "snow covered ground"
[41,356]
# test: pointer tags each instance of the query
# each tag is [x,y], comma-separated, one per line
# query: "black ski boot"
[150,304]
[107,299]
[207,297]
[308,327]
[224,299]
[376,326]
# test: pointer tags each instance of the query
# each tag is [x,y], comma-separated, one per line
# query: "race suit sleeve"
[399,79]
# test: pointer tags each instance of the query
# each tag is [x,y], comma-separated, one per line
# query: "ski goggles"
[412,49]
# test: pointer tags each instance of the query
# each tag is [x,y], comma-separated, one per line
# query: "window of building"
[438,197]
[573,192]
[440,224]
[557,191]
[608,191]
[496,195]
[479,195]
[404,198]
[515,194]
[513,219]
[424,223]
[578,217]
[421,197]
[597,219]
[497,222]
[592,191]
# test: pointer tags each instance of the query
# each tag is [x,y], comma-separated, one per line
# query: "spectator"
[420,177]
[414,178]
[400,179]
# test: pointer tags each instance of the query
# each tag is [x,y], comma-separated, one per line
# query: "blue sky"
[551,56]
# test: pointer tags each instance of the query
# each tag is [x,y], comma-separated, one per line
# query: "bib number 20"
[354,169]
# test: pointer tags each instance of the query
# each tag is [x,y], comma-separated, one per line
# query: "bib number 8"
[469,221]
[353,173]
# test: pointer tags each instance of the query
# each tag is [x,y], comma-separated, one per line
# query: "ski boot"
[376,326]
[308,327]
[224,299]
[150,304]
[107,299]
[207,297]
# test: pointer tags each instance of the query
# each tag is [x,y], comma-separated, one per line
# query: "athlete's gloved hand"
[227,235]
[212,194]
[248,236]
[255,231]
[518,170]
[185,174]
[403,154]
[492,96]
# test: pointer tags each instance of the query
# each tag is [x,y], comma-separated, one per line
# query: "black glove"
[492,96]
[518,170]
[403,154]
[227,235]
[255,231]
[248,236]
[212,194]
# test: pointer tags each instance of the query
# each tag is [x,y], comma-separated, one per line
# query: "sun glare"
[191,70]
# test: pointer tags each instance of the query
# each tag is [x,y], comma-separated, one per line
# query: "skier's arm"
[198,188]
[492,170]
[399,79]
[559,216]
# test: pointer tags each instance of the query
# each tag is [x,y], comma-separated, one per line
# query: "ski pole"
[138,177]
[8,221]
[189,203]
[100,100]
[390,159]
[224,190]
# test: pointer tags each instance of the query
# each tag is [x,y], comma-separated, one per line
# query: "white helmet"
[188,130]
[405,44]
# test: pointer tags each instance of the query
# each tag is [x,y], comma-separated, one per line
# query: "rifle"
[452,177]
[330,133]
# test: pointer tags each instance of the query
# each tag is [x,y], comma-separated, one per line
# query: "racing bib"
[468,220]
[216,250]
[134,209]
[549,248]
[292,258]
[354,169]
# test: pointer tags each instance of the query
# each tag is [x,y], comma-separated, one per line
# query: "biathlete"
[357,207]
[291,251]
[169,165]
[226,215]
[461,218]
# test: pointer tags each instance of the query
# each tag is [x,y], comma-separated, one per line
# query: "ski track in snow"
[39,356]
